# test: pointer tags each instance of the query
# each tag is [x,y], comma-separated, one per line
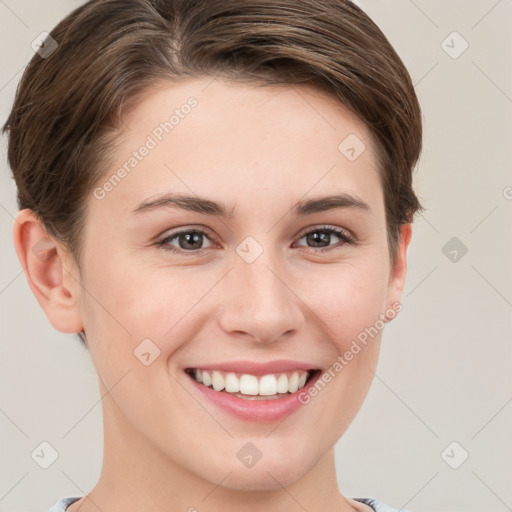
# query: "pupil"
[319,238]
[190,238]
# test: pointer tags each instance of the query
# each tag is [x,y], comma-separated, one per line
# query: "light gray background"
[445,368]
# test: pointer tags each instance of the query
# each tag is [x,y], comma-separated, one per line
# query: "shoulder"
[377,505]
[63,503]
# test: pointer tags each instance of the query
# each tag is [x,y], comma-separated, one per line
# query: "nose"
[259,303]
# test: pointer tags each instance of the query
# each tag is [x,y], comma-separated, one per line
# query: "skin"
[259,150]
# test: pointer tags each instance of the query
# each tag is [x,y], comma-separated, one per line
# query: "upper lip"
[257,368]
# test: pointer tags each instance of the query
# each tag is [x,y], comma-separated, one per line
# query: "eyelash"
[342,234]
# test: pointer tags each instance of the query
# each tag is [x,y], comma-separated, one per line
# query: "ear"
[50,271]
[398,273]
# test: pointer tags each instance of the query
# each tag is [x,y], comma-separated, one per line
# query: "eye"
[320,238]
[189,241]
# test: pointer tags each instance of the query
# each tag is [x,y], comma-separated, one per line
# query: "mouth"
[246,386]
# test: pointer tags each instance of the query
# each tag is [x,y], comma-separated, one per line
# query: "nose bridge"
[259,301]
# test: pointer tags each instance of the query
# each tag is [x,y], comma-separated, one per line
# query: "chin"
[264,480]
[273,473]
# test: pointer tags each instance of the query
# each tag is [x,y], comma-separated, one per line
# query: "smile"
[253,391]
[252,387]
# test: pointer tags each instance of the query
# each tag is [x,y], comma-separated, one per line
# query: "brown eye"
[320,238]
[187,241]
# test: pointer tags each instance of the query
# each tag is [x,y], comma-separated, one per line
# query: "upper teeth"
[250,384]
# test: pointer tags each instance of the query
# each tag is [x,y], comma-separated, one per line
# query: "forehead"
[209,136]
[222,103]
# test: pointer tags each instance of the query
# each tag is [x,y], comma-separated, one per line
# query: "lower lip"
[264,411]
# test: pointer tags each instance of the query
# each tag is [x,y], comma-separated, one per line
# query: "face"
[255,276]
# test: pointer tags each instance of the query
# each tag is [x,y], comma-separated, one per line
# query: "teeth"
[268,385]
[293,382]
[232,383]
[217,381]
[205,377]
[246,384]
[282,383]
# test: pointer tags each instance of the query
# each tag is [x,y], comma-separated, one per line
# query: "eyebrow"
[208,207]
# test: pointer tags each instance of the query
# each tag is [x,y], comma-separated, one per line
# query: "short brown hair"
[68,106]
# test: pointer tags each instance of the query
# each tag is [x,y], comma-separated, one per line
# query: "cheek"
[127,304]
[346,297]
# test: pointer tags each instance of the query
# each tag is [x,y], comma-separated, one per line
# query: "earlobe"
[42,260]
[398,273]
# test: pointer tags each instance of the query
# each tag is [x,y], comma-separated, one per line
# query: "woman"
[217,197]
